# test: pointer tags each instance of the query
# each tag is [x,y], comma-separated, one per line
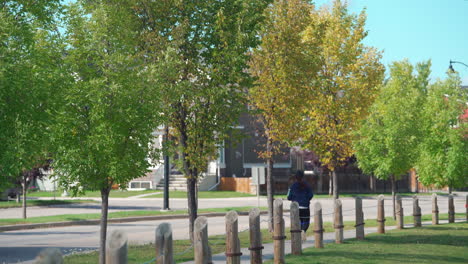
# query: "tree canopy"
[443,159]
[387,142]
[345,86]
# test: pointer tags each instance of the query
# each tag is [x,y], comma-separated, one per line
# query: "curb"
[113,220]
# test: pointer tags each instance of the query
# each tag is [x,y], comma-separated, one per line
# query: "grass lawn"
[76,217]
[430,244]
[203,194]
[143,253]
[12,204]
[113,193]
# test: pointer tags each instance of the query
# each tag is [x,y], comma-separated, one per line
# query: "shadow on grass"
[445,239]
[387,256]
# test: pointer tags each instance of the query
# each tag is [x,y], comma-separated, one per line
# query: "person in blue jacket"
[301,192]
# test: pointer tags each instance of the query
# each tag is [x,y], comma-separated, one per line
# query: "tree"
[204,48]
[103,132]
[443,152]
[387,142]
[345,85]
[30,76]
[282,65]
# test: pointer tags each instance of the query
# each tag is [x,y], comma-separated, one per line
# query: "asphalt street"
[22,246]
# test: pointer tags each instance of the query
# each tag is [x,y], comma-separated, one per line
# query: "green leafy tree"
[283,65]
[201,47]
[387,142]
[443,159]
[345,85]
[31,75]
[103,132]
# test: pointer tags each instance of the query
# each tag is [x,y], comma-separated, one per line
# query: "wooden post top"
[231,217]
[381,197]
[294,206]
[254,212]
[278,202]
[317,207]
[398,197]
[164,229]
[117,239]
[434,196]
[337,202]
[200,223]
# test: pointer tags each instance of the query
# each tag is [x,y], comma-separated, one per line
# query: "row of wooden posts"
[116,252]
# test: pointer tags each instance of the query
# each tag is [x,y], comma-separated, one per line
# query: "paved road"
[23,246]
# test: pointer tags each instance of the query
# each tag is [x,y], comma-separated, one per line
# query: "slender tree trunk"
[335,185]
[450,189]
[103,232]
[330,183]
[24,185]
[270,184]
[192,202]
[393,196]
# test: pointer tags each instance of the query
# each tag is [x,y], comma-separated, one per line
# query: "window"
[139,185]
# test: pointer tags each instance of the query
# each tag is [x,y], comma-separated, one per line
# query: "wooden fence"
[116,248]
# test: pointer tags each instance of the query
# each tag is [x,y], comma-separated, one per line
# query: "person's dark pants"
[304,214]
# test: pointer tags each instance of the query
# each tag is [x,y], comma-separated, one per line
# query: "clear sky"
[418,30]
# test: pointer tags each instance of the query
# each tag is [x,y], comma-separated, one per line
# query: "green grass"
[76,217]
[113,193]
[13,204]
[430,244]
[203,194]
[142,253]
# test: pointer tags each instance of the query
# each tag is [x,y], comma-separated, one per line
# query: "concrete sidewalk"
[267,252]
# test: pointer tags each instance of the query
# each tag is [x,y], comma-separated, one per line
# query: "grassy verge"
[113,193]
[144,253]
[12,204]
[430,244]
[203,194]
[77,217]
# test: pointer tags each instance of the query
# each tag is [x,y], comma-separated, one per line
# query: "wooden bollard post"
[164,252]
[202,250]
[466,206]
[296,241]
[416,212]
[359,219]
[380,215]
[49,256]
[399,212]
[338,223]
[255,237]
[435,210]
[451,209]
[278,232]
[318,225]
[232,239]
[116,248]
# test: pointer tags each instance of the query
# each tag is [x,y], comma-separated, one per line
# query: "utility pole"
[166,168]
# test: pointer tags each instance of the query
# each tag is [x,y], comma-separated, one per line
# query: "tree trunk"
[270,184]
[393,196]
[330,183]
[24,185]
[335,185]
[192,202]
[103,232]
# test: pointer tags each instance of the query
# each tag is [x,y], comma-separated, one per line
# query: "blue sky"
[418,30]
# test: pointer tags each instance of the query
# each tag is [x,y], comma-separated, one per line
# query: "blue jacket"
[302,197]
